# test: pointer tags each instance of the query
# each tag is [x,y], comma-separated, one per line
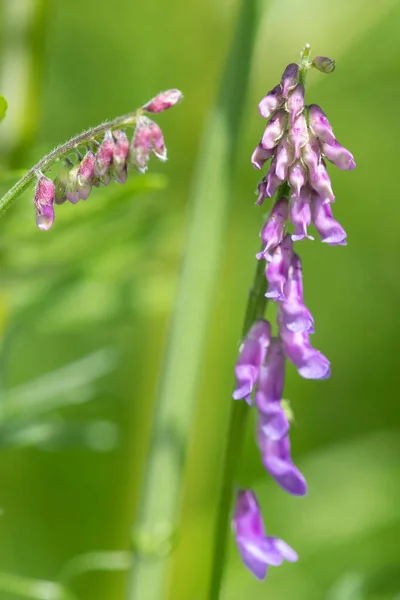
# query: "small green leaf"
[3,107]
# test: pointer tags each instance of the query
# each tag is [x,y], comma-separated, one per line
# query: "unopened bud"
[140,147]
[104,157]
[157,141]
[324,64]
[44,200]
[120,157]
[163,101]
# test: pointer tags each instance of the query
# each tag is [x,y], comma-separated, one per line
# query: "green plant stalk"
[55,155]
[256,307]
[160,504]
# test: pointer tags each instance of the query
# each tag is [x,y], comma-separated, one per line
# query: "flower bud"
[297,177]
[311,155]
[61,182]
[289,79]
[85,175]
[339,155]
[43,201]
[120,157]
[277,270]
[157,141]
[251,356]
[272,232]
[324,64]
[271,102]
[300,214]
[274,129]
[295,102]
[298,134]
[104,158]
[320,125]
[272,180]
[139,152]
[284,158]
[163,101]
[322,183]
[260,156]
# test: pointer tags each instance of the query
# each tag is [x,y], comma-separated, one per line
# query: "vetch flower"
[257,550]
[277,269]
[260,156]
[273,230]
[300,214]
[309,362]
[163,101]
[271,102]
[251,356]
[293,314]
[329,229]
[277,461]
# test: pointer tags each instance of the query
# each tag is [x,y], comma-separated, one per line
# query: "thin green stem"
[59,152]
[305,64]
[237,427]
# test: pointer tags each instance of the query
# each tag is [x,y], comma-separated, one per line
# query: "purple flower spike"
[319,124]
[104,157]
[272,232]
[278,462]
[272,180]
[300,214]
[297,178]
[277,269]
[271,102]
[85,175]
[251,356]
[120,157]
[311,155]
[322,183]
[163,101]
[284,158]
[289,79]
[329,229]
[339,155]
[274,129]
[44,201]
[257,550]
[295,102]
[260,156]
[293,314]
[298,134]
[310,363]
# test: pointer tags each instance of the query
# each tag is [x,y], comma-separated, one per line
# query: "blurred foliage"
[84,309]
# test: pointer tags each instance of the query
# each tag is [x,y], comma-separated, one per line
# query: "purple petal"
[329,229]
[284,158]
[310,363]
[277,270]
[271,377]
[339,155]
[295,102]
[273,421]
[260,156]
[274,129]
[298,134]
[277,461]
[293,314]
[289,79]
[300,214]
[297,177]
[321,183]
[271,102]
[272,232]
[319,124]
[251,357]
[284,549]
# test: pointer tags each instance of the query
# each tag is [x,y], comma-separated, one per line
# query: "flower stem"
[255,310]
[305,63]
[59,152]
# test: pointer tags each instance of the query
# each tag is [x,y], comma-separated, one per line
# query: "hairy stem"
[59,152]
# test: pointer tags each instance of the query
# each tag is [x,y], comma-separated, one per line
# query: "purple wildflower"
[300,214]
[277,461]
[289,79]
[260,156]
[284,158]
[251,356]
[271,102]
[329,229]
[309,362]
[277,269]
[320,125]
[293,314]
[339,155]
[273,230]
[274,129]
[257,550]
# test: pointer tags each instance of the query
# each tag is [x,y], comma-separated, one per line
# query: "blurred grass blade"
[95,561]
[33,589]
[3,107]
[209,205]
[56,389]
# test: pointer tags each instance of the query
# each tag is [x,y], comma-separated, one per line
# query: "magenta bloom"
[329,229]
[251,356]
[271,102]
[163,101]
[260,156]
[300,214]
[310,363]
[44,202]
[257,550]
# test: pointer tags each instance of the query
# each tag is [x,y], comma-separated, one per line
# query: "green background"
[88,304]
